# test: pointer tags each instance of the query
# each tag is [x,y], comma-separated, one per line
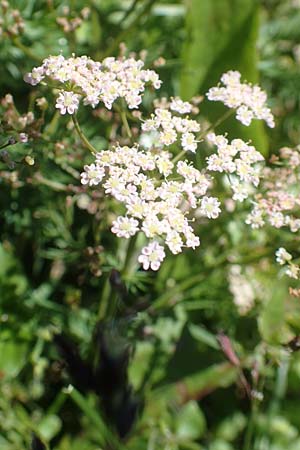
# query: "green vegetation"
[95,352]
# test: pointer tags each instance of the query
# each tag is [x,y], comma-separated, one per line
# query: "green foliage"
[62,273]
[221,36]
[278,44]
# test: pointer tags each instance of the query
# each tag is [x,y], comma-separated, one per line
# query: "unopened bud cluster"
[11,21]
[70,23]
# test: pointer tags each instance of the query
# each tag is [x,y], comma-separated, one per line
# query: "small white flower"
[293,271]
[276,219]
[210,207]
[282,256]
[240,191]
[152,226]
[192,241]
[125,227]
[92,175]
[168,136]
[180,106]
[164,117]
[244,115]
[215,163]
[23,137]
[189,172]
[174,242]
[148,191]
[68,102]
[114,185]
[152,256]
[255,218]
[149,139]
[35,77]
[219,140]
[231,78]
[294,225]
[188,142]
[137,207]
[164,164]
[246,172]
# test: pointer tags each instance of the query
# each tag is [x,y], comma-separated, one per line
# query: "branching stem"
[80,133]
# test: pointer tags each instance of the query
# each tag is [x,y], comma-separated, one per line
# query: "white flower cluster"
[284,258]
[81,77]
[157,194]
[171,128]
[238,158]
[278,201]
[248,100]
[242,289]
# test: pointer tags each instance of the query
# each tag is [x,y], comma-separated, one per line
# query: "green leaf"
[230,428]
[190,422]
[104,433]
[140,362]
[222,36]
[168,10]
[49,427]
[204,336]
[13,358]
[193,386]
[271,322]
[212,28]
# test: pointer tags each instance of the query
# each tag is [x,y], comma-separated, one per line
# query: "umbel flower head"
[277,203]
[160,194]
[94,82]
[171,127]
[157,194]
[248,100]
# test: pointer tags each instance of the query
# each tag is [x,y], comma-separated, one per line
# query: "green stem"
[129,11]
[109,298]
[84,140]
[178,157]
[125,123]
[204,133]
[281,385]
[55,185]
[26,50]
[104,434]
[52,127]
[123,35]
[130,251]
[250,428]
[254,411]
[222,119]
[164,299]
[105,299]
[57,404]
[71,38]
[7,144]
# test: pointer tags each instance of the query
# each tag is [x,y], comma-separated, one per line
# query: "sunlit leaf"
[190,422]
